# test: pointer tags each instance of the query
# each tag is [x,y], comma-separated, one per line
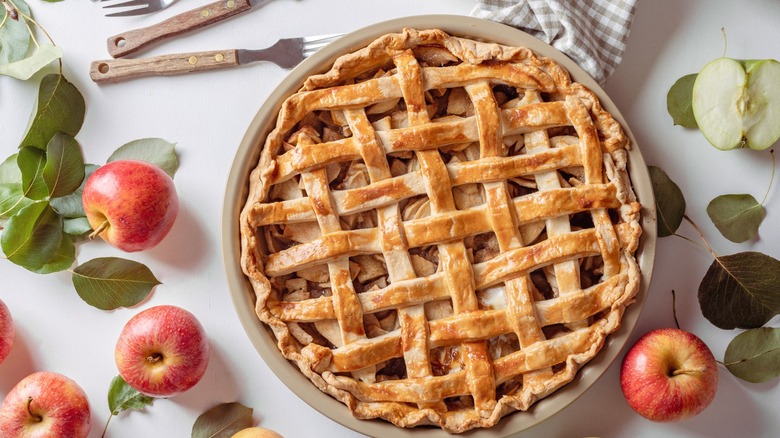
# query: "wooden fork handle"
[114,70]
[134,40]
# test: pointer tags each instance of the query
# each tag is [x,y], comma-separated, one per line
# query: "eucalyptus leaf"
[14,36]
[9,171]
[25,68]
[64,169]
[110,282]
[679,102]
[61,107]
[12,199]
[737,217]
[77,226]
[70,206]
[63,258]
[32,237]
[152,150]
[122,397]
[669,202]
[754,355]
[31,162]
[741,290]
[222,421]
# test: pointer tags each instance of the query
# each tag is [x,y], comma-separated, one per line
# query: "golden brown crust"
[408,236]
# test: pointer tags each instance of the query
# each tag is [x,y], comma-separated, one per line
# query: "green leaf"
[741,290]
[25,68]
[33,236]
[754,355]
[152,150]
[12,199]
[14,36]
[64,169]
[77,226]
[9,171]
[122,397]
[61,107]
[70,206]
[669,202]
[222,421]
[110,282]
[31,162]
[737,217]
[679,102]
[63,258]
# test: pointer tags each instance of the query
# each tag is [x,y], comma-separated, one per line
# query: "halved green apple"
[736,103]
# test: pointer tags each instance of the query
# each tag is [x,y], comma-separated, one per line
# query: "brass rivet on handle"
[219,57]
[193,60]
[205,13]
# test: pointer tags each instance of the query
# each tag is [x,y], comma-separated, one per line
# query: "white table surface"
[207,115]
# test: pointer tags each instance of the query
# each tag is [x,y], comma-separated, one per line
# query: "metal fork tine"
[317,38]
[129,13]
[127,4]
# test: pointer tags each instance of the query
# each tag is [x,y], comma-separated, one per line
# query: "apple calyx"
[154,358]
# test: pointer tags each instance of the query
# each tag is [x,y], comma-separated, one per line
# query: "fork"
[286,53]
[146,7]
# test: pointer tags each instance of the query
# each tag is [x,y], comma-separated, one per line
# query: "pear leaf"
[14,36]
[737,217]
[70,206]
[31,162]
[741,290]
[25,68]
[9,171]
[12,199]
[61,107]
[222,421]
[110,282]
[62,259]
[64,169]
[152,150]
[32,238]
[77,226]
[669,202]
[754,355]
[122,397]
[679,102]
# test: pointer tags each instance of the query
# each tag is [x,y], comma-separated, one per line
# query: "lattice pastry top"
[441,231]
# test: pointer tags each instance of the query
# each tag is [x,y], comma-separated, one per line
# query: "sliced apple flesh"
[737,103]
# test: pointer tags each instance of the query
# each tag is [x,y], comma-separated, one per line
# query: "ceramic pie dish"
[439,231]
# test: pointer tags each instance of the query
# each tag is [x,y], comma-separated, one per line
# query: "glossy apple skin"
[162,351]
[256,432]
[6,331]
[138,199]
[45,404]
[669,375]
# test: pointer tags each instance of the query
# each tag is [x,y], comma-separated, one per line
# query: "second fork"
[136,7]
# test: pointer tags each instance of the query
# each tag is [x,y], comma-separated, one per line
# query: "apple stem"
[35,416]
[99,229]
[689,371]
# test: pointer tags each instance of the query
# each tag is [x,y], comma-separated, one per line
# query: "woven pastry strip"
[555,334]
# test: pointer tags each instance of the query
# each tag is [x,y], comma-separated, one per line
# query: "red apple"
[130,204]
[162,351]
[669,375]
[6,331]
[45,404]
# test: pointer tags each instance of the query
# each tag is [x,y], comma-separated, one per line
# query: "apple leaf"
[31,162]
[111,282]
[70,206]
[14,36]
[754,355]
[669,202]
[77,226]
[152,150]
[32,238]
[737,217]
[222,421]
[25,68]
[61,108]
[122,397]
[741,290]
[64,169]
[679,102]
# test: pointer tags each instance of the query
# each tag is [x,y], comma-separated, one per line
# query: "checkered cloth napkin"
[591,32]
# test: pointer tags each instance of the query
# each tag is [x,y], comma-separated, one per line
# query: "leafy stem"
[771,178]
[699,232]
[14,12]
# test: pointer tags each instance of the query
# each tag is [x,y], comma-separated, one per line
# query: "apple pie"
[441,231]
